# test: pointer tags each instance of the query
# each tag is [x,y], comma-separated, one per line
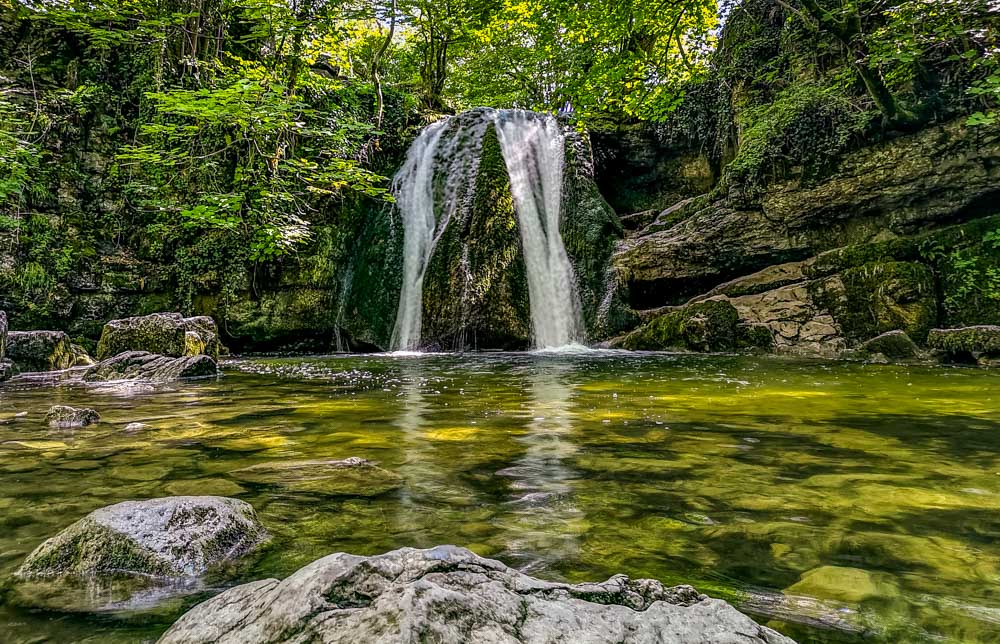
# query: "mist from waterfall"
[438,179]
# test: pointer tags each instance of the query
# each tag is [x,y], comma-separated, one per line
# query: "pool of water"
[835,502]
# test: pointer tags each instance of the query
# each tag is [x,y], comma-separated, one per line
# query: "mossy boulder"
[41,350]
[879,297]
[64,416]
[141,365]
[167,334]
[966,344]
[705,326]
[895,345]
[155,543]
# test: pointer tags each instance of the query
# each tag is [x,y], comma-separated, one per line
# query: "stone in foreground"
[64,416]
[140,365]
[449,594]
[147,549]
[181,536]
[167,334]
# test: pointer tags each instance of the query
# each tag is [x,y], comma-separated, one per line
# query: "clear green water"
[869,494]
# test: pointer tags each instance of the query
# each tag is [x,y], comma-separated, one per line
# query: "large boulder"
[167,334]
[41,350]
[140,365]
[153,543]
[448,594]
[895,345]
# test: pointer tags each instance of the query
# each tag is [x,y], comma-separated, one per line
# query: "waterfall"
[437,180]
[534,150]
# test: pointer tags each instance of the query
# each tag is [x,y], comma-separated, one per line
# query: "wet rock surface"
[63,416]
[449,594]
[138,547]
[167,334]
[140,365]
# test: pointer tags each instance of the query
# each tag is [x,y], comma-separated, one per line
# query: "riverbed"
[835,502]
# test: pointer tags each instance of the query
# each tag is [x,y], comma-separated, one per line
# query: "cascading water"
[534,150]
[437,180]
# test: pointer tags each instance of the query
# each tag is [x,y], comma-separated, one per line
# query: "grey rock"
[167,334]
[6,370]
[173,537]
[40,350]
[895,345]
[65,416]
[448,594]
[137,554]
[140,365]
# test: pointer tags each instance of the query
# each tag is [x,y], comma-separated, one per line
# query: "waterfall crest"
[437,181]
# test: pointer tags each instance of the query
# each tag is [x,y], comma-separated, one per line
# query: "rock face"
[167,334]
[167,538]
[969,344]
[41,350]
[64,416]
[894,189]
[140,365]
[448,594]
[349,477]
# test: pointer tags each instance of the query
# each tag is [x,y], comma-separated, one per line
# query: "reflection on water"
[840,502]
[542,521]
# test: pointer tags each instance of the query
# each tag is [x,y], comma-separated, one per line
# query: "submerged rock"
[349,477]
[154,543]
[895,345]
[968,344]
[167,334]
[66,416]
[448,594]
[41,350]
[140,365]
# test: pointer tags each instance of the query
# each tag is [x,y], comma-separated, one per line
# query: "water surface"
[836,502]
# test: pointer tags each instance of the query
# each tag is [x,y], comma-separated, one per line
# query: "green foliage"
[970,277]
[805,127]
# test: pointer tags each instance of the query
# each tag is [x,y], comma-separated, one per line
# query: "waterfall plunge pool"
[835,502]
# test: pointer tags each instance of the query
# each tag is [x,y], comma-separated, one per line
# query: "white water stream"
[436,181]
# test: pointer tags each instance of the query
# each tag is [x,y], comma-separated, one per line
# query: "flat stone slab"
[150,367]
[449,594]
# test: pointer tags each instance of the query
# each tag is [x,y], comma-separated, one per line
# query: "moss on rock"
[167,334]
[705,326]
[879,297]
